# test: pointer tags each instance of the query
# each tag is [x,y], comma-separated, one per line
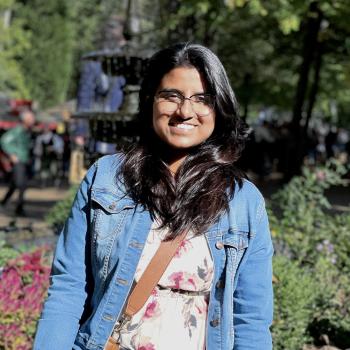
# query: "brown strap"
[152,274]
[111,345]
[149,280]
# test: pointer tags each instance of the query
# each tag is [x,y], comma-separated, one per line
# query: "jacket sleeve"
[63,308]
[253,296]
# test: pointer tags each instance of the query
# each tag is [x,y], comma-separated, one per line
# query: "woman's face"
[183,123]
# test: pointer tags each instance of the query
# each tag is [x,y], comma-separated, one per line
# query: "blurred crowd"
[49,154]
[272,147]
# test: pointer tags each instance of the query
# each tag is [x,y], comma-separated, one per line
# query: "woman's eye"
[171,97]
[201,99]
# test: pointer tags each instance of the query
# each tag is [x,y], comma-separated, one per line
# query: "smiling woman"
[183,122]
[178,187]
[191,138]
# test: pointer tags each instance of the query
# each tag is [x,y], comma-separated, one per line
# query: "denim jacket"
[98,251]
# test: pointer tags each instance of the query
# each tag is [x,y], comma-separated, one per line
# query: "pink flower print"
[176,278]
[192,283]
[199,310]
[148,346]
[152,310]
[184,246]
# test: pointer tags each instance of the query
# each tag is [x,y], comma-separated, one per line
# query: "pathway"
[32,228]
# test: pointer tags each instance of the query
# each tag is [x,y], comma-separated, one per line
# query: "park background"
[288,62]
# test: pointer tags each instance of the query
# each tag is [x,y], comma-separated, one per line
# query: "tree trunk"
[297,146]
[246,94]
[312,28]
[314,87]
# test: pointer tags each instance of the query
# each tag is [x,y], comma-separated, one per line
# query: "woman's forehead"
[183,79]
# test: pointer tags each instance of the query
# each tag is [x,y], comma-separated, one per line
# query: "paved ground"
[32,228]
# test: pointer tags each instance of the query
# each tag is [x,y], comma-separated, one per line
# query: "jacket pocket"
[108,213]
[235,242]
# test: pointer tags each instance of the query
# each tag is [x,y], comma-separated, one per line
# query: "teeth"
[185,126]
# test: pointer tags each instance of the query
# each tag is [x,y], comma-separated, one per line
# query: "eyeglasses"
[171,100]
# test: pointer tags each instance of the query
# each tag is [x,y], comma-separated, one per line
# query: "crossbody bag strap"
[147,282]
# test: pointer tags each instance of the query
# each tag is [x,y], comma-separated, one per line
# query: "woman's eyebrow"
[170,90]
[180,92]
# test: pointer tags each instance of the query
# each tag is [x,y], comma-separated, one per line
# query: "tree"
[47,65]
[13,42]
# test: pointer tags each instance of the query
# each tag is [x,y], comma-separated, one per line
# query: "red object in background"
[8,124]
[9,111]
[5,162]
[17,104]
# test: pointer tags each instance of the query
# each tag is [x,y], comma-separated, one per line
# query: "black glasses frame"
[183,98]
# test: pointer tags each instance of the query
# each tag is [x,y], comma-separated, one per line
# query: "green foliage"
[317,241]
[295,294]
[302,204]
[261,45]
[41,49]
[48,63]
[332,309]
[13,42]
[60,211]
[6,252]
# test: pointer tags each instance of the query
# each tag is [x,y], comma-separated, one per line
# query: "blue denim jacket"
[99,249]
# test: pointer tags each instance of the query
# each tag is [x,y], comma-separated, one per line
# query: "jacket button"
[220,284]
[219,245]
[215,322]
[112,206]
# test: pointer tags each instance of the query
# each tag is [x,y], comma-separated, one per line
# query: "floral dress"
[175,315]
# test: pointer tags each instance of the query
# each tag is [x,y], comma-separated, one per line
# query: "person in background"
[16,144]
[48,150]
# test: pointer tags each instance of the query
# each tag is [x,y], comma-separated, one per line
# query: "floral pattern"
[171,319]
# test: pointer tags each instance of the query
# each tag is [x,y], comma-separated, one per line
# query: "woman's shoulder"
[246,206]
[110,162]
[105,170]
[248,191]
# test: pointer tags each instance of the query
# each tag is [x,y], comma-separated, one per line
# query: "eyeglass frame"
[183,98]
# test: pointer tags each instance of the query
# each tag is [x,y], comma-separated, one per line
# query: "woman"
[216,292]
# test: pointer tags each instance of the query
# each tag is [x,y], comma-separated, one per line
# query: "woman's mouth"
[183,126]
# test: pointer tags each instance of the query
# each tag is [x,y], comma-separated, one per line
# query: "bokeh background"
[77,65]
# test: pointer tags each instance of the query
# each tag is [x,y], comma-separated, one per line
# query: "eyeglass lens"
[202,104]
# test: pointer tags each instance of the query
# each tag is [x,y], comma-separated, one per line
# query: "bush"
[331,314]
[295,295]
[23,287]
[302,208]
[6,252]
[317,241]
[57,216]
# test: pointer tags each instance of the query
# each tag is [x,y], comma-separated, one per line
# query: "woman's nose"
[186,110]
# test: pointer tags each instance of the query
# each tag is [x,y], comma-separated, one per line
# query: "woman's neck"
[174,159]
[175,165]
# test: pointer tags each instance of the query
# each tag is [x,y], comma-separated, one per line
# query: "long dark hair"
[200,190]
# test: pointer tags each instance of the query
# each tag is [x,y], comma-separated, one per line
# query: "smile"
[184,126]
